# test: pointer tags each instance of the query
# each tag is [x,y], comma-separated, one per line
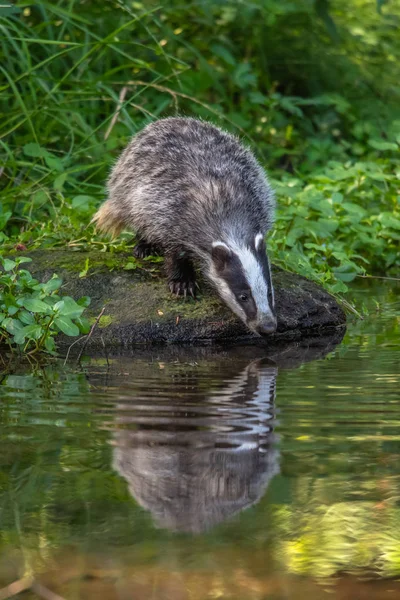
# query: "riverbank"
[139,309]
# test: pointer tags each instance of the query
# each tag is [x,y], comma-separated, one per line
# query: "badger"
[194,193]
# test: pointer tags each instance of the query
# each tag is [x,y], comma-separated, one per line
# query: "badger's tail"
[107,220]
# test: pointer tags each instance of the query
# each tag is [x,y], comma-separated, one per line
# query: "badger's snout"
[266,326]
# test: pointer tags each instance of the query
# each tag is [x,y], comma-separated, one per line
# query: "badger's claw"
[183,288]
[143,249]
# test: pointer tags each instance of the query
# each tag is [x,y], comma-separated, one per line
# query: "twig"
[105,350]
[16,588]
[378,277]
[121,99]
[351,308]
[73,344]
[144,110]
[44,592]
[90,333]
[175,95]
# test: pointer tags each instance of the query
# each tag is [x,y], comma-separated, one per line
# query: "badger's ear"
[259,242]
[221,255]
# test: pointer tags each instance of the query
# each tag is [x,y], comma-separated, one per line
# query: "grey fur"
[183,184]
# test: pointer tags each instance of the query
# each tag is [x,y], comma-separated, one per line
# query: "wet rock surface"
[139,308]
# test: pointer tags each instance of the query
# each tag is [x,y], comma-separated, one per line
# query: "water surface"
[208,473]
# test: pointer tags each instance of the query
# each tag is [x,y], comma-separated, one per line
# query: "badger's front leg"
[144,249]
[180,273]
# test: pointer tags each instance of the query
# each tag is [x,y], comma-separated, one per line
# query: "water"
[193,474]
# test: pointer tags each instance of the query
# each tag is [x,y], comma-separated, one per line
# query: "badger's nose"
[267,326]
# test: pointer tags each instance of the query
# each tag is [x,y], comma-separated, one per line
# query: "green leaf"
[82,203]
[130,266]
[257,98]
[243,76]
[4,218]
[52,285]
[39,198]
[58,306]
[328,225]
[294,235]
[339,288]
[153,259]
[19,337]
[337,198]
[389,220]
[85,269]
[13,326]
[8,265]
[66,326]
[354,209]
[84,301]
[26,317]
[34,150]
[35,305]
[346,272]
[59,182]
[32,332]
[70,308]
[50,344]
[346,277]
[322,9]
[22,259]
[290,106]
[6,10]
[381,145]
[53,162]
[83,324]
[223,53]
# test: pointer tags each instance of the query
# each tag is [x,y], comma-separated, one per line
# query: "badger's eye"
[243,297]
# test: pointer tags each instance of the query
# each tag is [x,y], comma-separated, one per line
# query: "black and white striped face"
[242,277]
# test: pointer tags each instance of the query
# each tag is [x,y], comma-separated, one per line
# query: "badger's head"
[242,277]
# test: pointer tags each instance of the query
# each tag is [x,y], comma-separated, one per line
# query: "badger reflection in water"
[196,460]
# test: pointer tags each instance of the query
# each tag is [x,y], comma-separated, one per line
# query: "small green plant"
[33,313]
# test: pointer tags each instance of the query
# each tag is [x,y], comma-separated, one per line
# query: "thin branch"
[121,99]
[90,333]
[144,110]
[175,95]
[351,308]
[73,344]
[105,351]
[378,277]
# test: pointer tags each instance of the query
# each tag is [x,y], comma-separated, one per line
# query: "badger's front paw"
[180,273]
[143,249]
[183,287]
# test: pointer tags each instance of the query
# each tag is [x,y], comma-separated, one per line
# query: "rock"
[140,309]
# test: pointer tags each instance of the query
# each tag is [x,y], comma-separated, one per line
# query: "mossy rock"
[140,309]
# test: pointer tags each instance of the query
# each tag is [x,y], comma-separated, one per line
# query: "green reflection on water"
[206,476]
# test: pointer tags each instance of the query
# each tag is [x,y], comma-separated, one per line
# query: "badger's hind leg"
[144,249]
[180,273]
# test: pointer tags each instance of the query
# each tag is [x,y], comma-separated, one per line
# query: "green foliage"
[340,222]
[33,313]
[314,90]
